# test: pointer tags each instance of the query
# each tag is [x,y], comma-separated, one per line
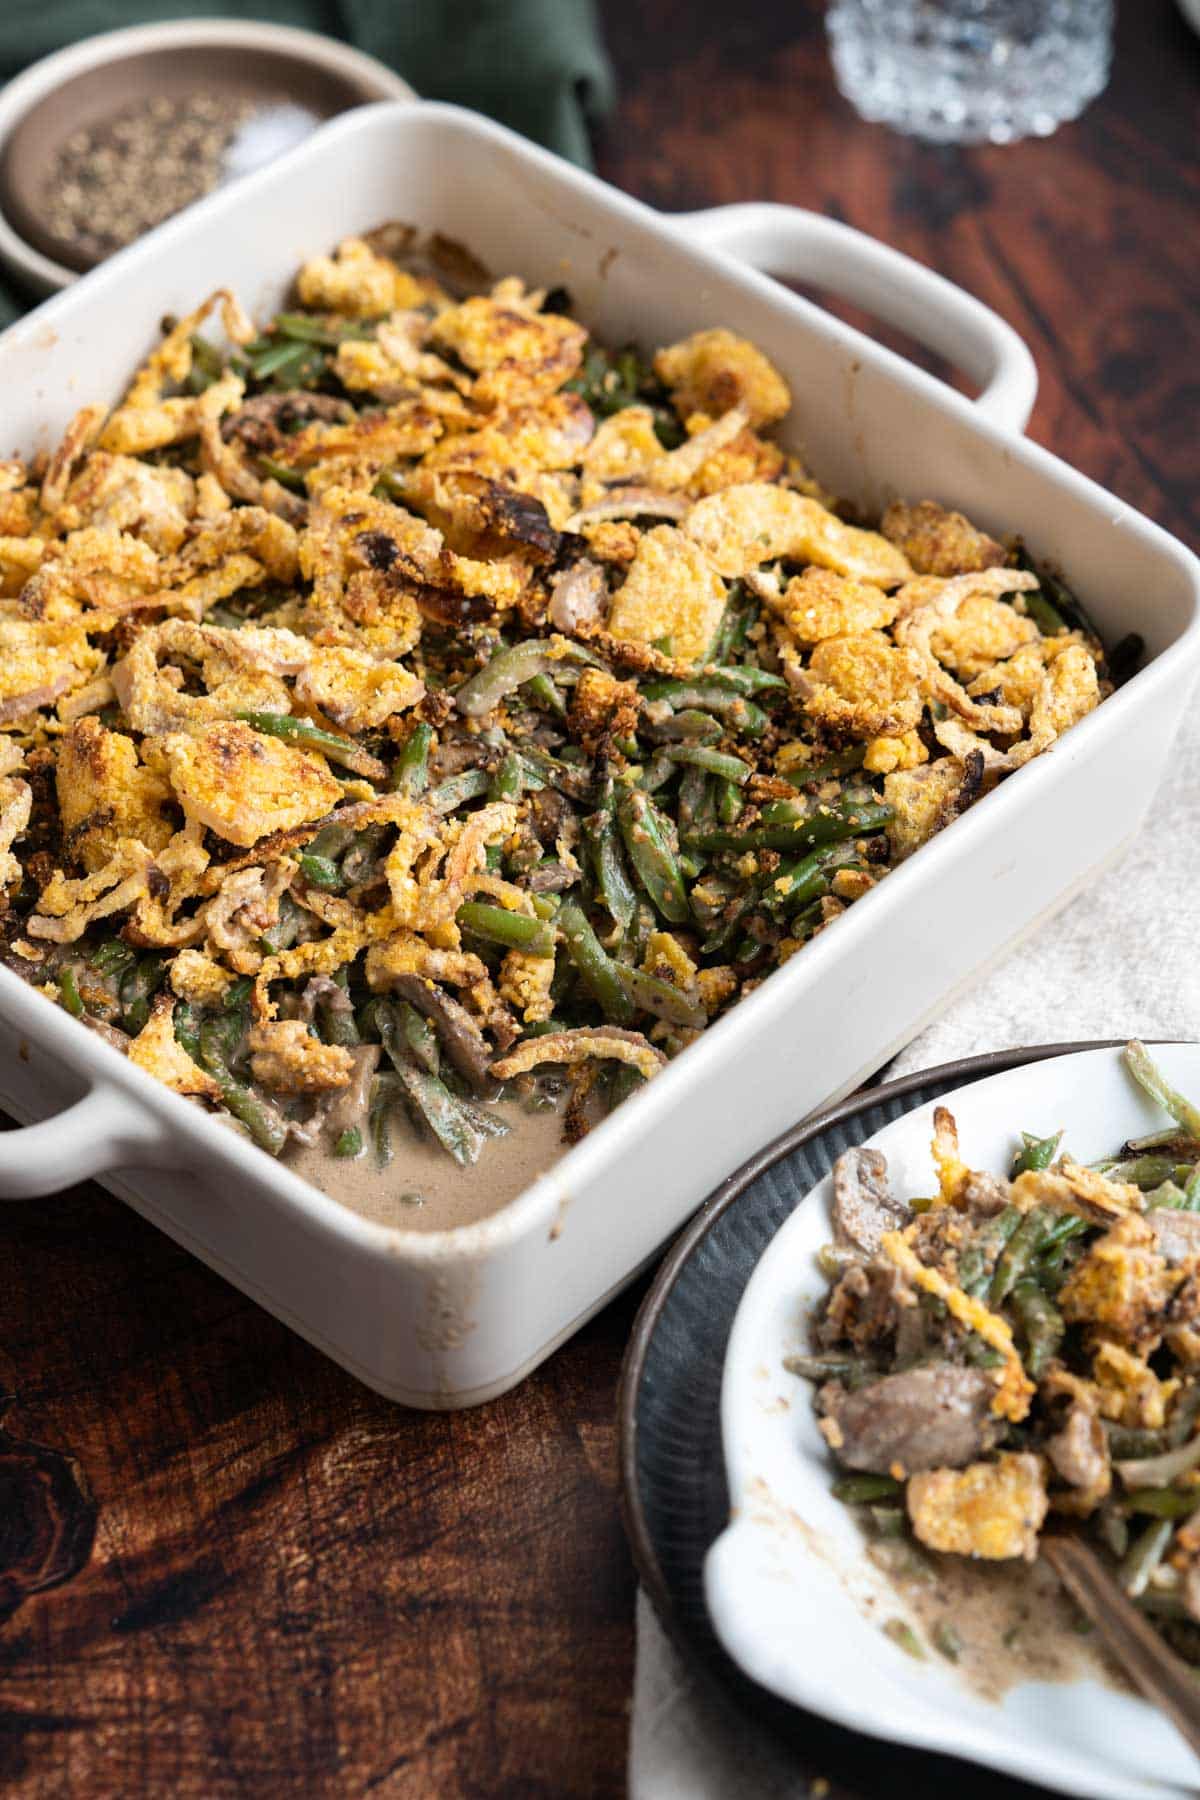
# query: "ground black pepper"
[113,181]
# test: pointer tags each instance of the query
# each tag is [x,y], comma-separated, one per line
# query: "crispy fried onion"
[285,1056]
[244,671]
[244,908]
[1069,1188]
[16,804]
[571,1047]
[1014,1390]
[634,501]
[145,420]
[427,897]
[1067,691]
[77,440]
[926,604]
[153,885]
[156,1050]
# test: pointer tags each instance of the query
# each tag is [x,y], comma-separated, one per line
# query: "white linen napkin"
[1120,961]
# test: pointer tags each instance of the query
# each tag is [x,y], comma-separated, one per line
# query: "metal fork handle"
[1128,1635]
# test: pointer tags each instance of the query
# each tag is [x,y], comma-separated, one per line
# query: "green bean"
[283,473]
[286,357]
[841,764]
[652,857]
[1169,1138]
[729,801]
[220,1035]
[187,1029]
[715,762]
[1163,1470]
[111,957]
[826,825]
[741,714]
[652,995]
[947,1641]
[1163,1503]
[903,1635]
[820,1368]
[1042,1324]
[489,1123]
[1149,1076]
[859,1490]
[307,330]
[621,1081]
[453,1127]
[208,1045]
[349,1142]
[506,780]
[1045,614]
[320,872]
[1143,1557]
[541,770]
[806,880]
[419,1036]
[975,1264]
[138,986]
[732,916]
[656,773]
[784,812]
[410,771]
[612,882]
[887,1521]
[743,678]
[1145,1172]
[1017,1254]
[1166,1196]
[380,1122]
[285,929]
[1191,1191]
[68,991]
[294,730]
[330,841]
[601,975]
[543,691]
[688,726]
[511,667]
[1056,595]
[456,790]
[690,800]
[739,612]
[514,930]
[237,994]
[207,365]
[1036,1153]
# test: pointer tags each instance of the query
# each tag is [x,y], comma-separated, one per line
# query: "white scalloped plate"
[787,1582]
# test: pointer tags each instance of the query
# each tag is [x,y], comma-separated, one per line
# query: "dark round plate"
[672,1472]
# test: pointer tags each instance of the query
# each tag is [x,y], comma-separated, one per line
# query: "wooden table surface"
[283,1585]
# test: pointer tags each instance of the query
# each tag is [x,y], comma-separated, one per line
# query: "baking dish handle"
[103,1130]
[789,242]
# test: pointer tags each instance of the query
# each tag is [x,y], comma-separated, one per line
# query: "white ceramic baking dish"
[449,1319]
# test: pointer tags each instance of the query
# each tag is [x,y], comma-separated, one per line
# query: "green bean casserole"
[1020,1345]
[413,702]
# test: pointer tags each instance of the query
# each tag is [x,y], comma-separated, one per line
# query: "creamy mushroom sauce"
[423,1189]
[1012,1620]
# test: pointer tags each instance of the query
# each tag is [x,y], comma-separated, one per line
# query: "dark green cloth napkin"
[537,65]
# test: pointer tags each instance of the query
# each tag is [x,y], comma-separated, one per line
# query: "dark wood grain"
[294,1588]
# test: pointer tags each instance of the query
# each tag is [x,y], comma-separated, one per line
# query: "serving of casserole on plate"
[438,709]
[1047,1374]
